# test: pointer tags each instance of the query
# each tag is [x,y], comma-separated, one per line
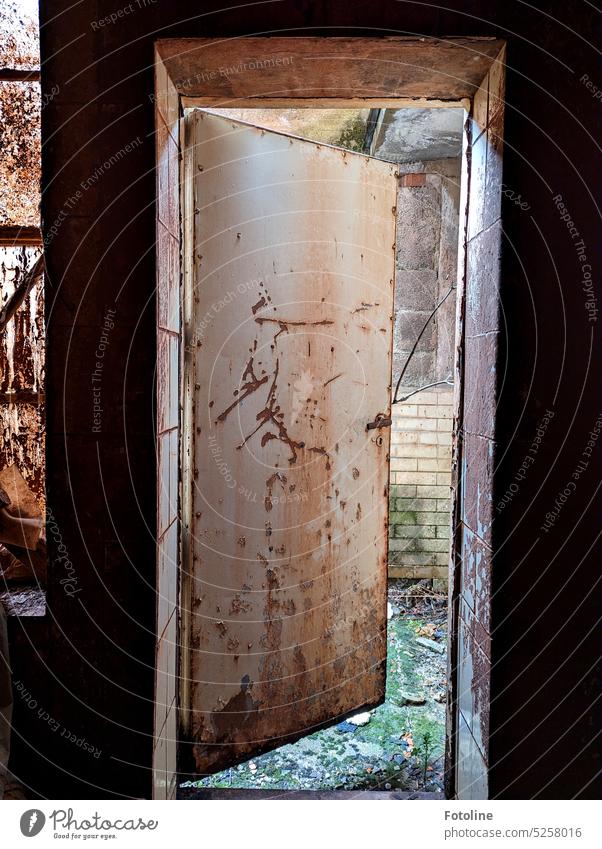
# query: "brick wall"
[419,490]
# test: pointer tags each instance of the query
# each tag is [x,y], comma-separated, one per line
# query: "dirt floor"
[400,746]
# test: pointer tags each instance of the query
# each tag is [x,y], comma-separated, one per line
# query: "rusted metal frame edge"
[450,767]
[12,236]
[387,419]
[187,189]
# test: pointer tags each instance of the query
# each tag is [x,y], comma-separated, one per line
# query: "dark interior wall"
[89,664]
[546,573]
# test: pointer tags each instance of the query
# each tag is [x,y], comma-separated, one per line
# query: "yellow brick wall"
[419,492]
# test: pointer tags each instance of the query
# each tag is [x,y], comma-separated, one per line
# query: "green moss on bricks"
[403,504]
[402,490]
[410,542]
[397,558]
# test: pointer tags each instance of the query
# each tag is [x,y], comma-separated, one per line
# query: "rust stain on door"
[291,340]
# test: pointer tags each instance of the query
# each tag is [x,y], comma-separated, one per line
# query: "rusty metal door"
[289,306]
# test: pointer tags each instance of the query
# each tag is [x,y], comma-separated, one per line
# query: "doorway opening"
[202,715]
[399,744]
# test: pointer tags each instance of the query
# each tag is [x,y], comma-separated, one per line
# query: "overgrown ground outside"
[400,747]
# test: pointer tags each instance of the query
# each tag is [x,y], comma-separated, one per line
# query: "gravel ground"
[401,746]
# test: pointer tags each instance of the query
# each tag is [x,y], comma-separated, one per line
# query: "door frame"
[335,72]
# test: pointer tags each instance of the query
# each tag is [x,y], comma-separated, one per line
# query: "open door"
[288,311]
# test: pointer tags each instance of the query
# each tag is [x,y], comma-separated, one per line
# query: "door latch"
[379,421]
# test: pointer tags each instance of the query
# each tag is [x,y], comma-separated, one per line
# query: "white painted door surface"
[288,341]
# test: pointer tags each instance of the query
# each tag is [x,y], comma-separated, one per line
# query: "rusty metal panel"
[289,352]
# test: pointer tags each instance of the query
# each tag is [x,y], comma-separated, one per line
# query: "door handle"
[379,421]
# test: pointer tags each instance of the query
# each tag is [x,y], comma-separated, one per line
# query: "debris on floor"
[411,699]
[345,727]
[431,645]
[398,745]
